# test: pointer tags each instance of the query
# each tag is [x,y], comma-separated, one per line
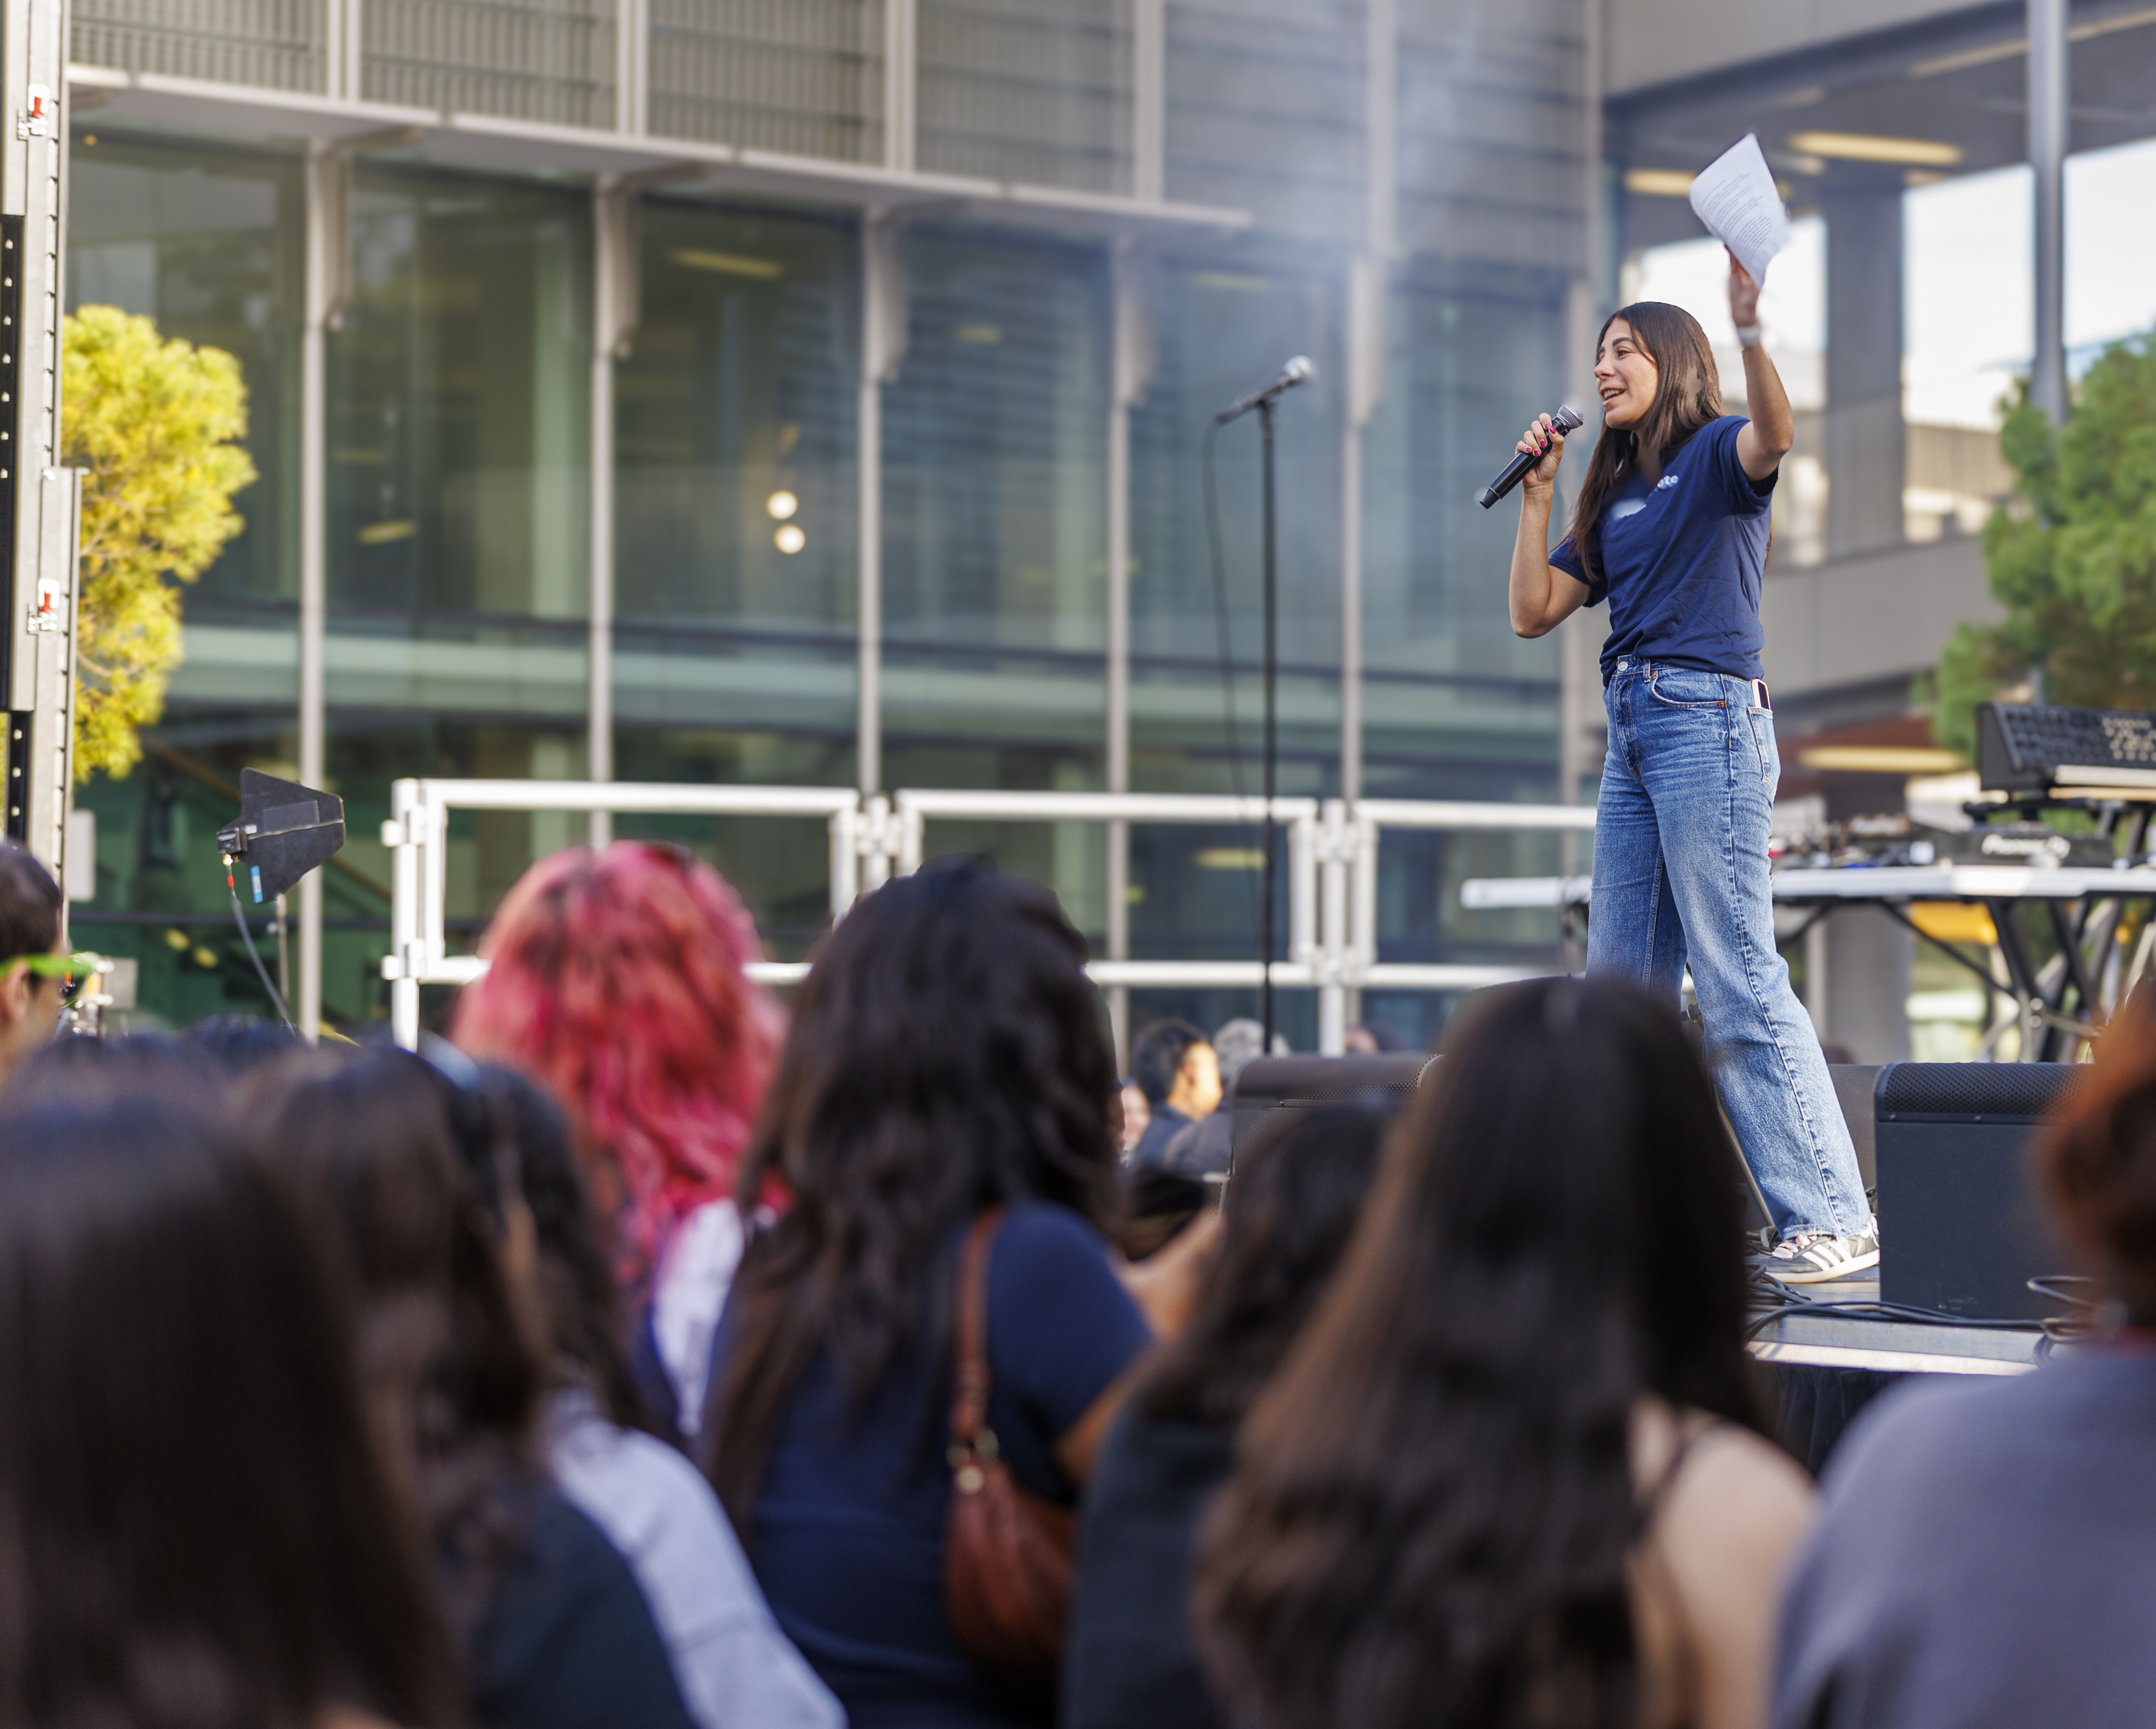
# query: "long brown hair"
[947,1053]
[1687,396]
[1433,1508]
[193,1525]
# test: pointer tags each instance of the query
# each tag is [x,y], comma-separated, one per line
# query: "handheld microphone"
[1295,372]
[1569,419]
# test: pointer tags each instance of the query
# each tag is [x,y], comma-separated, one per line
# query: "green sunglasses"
[67,968]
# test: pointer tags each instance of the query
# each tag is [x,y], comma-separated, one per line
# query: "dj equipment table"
[2095,916]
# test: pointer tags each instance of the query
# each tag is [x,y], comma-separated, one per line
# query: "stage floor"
[1893,1346]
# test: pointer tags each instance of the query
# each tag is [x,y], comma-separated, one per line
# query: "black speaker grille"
[2010,1091]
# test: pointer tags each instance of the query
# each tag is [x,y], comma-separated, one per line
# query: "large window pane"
[1224,323]
[737,538]
[995,516]
[206,241]
[458,430]
[458,388]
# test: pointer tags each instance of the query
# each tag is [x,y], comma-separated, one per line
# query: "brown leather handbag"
[1006,1553]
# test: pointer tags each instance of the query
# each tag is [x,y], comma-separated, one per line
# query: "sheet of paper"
[1735,197]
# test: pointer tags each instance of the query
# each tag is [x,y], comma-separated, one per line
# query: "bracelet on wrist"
[1748,335]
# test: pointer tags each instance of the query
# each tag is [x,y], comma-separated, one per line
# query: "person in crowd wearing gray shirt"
[1983,1557]
[735,1668]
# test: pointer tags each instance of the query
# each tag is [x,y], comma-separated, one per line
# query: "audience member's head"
[1373,1039]
[30,994]
[2096,1167]
[450,1369]
[194,1527]
[948,1053]
[1290,1209]
[1137,1113]
[238,1045]
[1175,1065]
[1434,1508]
[1235,1043]
[77,1069]
[616,980]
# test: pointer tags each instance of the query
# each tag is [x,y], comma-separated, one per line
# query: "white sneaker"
[1817,1257]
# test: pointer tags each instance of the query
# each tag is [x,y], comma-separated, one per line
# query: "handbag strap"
[969,1389]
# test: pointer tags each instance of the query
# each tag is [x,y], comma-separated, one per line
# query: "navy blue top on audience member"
[1982,1556]
[1681,561]
[849,1534]
[567,1639]
[1288,1215]
[946,1055]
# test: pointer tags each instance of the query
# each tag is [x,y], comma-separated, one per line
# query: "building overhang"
[487,143]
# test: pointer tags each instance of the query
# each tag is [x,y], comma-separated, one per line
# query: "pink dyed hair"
[615,980]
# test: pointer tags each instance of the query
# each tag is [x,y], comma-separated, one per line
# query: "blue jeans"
[1681,871]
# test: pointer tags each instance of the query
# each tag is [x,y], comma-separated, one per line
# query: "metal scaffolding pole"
[2047,158]
[38,499]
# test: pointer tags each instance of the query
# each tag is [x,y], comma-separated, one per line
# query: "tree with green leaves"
[2071,557]
[155,426]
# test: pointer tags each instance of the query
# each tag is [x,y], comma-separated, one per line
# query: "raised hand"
[1743,295]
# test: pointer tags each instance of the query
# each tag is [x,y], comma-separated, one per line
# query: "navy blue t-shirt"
[847,1539]
[1681,561]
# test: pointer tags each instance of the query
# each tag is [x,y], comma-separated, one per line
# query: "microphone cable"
[247,936]
[1226,653]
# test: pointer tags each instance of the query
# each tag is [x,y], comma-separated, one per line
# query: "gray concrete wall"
[1651,42]
[1855,619]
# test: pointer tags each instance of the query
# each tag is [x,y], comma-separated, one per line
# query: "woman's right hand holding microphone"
[1545,438]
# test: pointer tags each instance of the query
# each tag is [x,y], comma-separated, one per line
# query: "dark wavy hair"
[1289,1211]
[948,1053]
[1433,1503]
[575,1277]
[194,1527]
[450,1362]
[1687,396]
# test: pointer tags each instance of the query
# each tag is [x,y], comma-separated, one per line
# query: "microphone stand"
[1271,745]
[1267,402]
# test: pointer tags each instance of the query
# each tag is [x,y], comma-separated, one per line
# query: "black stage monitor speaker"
[1960,1233]
[1267,1084]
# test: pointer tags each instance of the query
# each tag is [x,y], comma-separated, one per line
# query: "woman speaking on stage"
[1672,530]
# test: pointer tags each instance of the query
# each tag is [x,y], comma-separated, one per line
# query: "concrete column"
[1149,100]
[883,348]
[327,185]
[2047,156]
[615,293]
[1132,348]
[1864,457]
[900,84]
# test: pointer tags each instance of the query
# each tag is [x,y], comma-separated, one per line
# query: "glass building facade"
[1116,214]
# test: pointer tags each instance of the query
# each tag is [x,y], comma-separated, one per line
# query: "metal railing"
[1332,874]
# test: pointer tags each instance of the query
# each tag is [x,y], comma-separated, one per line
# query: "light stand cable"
[247,936]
